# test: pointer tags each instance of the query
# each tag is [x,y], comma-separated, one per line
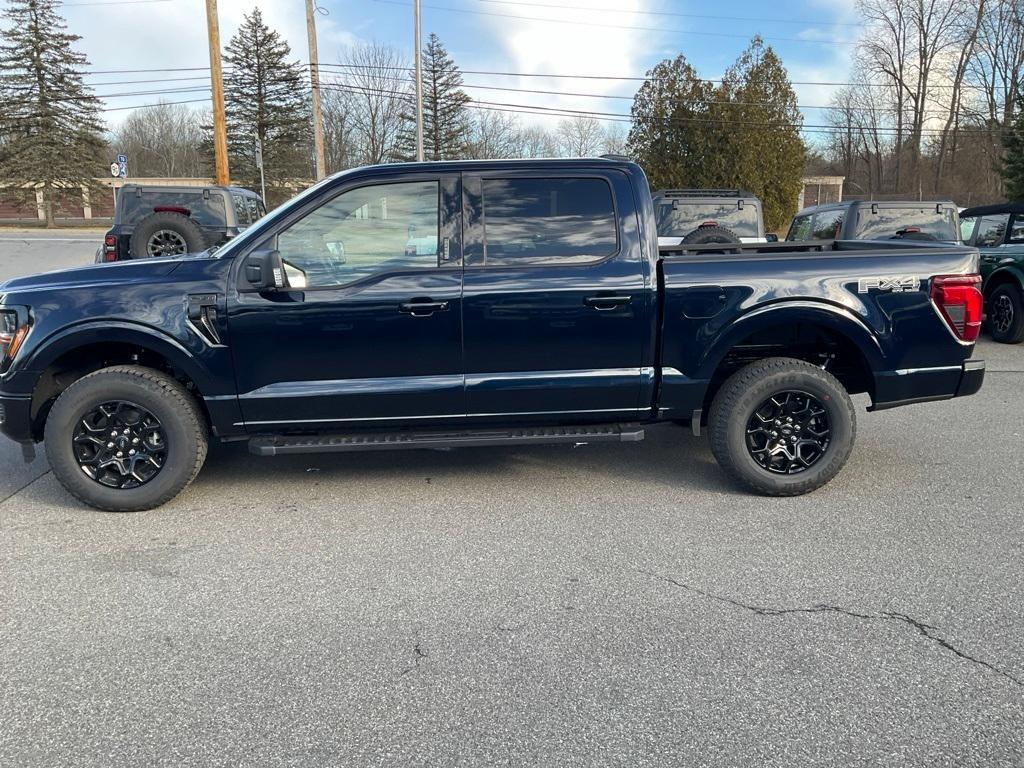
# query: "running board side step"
[385,441]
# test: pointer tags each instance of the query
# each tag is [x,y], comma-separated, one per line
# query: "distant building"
[817,190]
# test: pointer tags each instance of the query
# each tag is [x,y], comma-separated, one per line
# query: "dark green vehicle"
[997,231]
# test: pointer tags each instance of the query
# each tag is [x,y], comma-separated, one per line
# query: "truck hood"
[134,271]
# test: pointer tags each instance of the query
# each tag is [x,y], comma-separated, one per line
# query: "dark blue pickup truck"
[476,303]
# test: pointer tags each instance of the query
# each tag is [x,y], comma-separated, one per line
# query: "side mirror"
[263,271]
[771,237]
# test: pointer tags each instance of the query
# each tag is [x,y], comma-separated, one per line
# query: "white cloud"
[541,45]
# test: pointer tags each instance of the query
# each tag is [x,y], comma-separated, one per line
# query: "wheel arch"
[799,329]
[75,352]
[1008,275]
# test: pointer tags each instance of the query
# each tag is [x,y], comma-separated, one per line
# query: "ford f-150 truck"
[476,303]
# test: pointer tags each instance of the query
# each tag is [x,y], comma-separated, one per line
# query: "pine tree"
[266,100]
[758,122]
[50,122]
[670,136]
[1012,169]
[446,118]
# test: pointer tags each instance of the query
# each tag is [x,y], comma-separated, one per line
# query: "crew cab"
[476,303]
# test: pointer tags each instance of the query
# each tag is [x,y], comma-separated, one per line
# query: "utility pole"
[222,176]
[419,83]
[314,79]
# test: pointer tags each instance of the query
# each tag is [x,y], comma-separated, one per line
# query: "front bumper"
[922,385]
[16,417]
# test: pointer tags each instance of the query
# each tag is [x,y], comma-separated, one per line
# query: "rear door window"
[548,221]
[991,230]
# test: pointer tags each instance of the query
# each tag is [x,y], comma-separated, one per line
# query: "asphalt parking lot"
[606,605]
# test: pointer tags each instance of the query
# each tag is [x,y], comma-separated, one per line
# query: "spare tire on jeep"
[710,233]
[166,233]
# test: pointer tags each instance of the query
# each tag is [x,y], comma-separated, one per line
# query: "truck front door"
[555,299]
[369,328]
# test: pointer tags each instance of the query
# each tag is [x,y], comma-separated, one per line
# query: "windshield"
[683,218]
[941,225]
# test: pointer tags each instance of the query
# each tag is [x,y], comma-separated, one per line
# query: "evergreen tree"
[758,124]
[50,123]
[446,119]
[266,99]
[671,136]
[1012,168]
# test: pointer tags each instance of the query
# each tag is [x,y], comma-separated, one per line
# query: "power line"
[627,78]
[801,22]
[620,117]
[578,22]
[113,2]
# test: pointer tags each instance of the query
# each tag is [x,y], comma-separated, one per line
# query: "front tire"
[1006,314]
[125,439]
[782,427]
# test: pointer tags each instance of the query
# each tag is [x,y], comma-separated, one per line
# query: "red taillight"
[959,301]
[110,248]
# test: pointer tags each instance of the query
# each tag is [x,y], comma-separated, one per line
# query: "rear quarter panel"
[713,302]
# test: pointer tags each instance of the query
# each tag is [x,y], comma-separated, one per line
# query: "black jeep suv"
[170,221]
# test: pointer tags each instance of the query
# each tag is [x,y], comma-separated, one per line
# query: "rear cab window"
[878,221]
[678,218]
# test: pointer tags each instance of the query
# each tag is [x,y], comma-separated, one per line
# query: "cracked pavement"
[607,605]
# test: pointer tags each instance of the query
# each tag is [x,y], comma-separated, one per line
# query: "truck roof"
[853,204]
[994,208]
[186,188]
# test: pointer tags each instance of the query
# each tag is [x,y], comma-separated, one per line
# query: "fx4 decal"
[898,284]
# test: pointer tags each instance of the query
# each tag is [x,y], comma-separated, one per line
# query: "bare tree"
[373,76]
[580,136]
[614,139]
[165,140]
[494,134]
[539,142]
[340,141]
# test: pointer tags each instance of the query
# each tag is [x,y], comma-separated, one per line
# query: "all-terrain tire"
[743,392]
[1006,314]
[166,233]
[183,426]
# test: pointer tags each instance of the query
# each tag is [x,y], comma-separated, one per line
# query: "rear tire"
[166,233]
[799,455]
[83,438]
[1006,314]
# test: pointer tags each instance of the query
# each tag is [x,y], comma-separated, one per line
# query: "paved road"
[608,605]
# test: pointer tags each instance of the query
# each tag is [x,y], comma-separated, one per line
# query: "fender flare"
[839,320]
[119,332]
[1009,272]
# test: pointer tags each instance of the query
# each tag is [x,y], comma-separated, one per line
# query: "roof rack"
[612,156]
[704,193]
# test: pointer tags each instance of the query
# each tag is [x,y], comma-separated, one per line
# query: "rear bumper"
[922,385]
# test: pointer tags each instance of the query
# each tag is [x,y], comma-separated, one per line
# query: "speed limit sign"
[115,170]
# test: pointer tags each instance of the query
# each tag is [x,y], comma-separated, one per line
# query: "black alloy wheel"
[1001,313]
[120,445]
[789,432]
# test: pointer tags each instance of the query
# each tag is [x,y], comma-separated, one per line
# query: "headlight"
[13,329]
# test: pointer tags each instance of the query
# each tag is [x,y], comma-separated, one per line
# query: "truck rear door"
[555,296]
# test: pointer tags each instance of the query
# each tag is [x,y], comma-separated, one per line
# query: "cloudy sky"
[598,38]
